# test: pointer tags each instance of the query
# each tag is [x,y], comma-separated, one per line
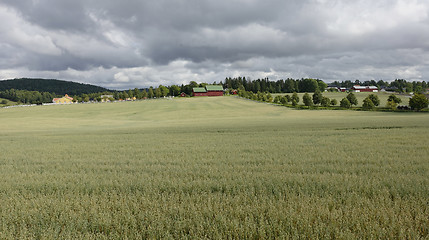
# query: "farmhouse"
[209,90]
[64,100]
[358,88]
[106,98]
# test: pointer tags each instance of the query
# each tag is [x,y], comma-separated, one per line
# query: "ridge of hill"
[50,85]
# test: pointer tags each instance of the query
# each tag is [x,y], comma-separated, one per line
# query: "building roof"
[364,87]
[65,96]
[199,90]
[214,88]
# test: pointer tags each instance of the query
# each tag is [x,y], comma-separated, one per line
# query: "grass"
[211,168]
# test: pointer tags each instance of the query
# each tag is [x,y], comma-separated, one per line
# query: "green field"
[360,97]
[212,168]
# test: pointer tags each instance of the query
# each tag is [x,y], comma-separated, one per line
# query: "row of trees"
[36,97]
[281,86]
[398,85]
[27,97]
[311,85]
[417,102]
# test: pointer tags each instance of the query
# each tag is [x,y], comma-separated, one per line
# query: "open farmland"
[212,168]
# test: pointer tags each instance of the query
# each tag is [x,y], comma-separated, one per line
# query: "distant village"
[208,91]
[217,90]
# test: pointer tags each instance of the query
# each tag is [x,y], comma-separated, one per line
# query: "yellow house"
[63,100]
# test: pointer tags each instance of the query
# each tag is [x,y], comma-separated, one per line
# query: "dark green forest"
[58,87]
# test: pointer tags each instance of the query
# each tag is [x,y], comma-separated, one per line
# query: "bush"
[394,98]
[392,105]
[4,101]
[295,98]
[325,102]
[374,98]
[306,99]
[294,102]
[368,104]
[352,99]
[334,102]
[317,97]
[418,102]
[345,103]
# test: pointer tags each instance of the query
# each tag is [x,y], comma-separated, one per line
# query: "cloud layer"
[134,43]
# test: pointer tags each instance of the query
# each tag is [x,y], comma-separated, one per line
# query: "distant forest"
[52,86]
[37,91]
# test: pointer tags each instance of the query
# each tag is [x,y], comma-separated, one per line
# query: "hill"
[50,85]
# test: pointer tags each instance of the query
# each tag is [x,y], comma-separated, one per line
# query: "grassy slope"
[212,167]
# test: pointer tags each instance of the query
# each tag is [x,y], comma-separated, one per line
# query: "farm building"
[199,91]
[358,88]
[106,98]
[64,100]
[214,90]
[209,90]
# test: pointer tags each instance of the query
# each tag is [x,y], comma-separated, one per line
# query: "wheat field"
[211,168]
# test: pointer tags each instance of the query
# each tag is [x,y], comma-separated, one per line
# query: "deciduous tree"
[295,98]
[317,97]
[368,104]
[374,98]
[325,102]
[418,102]
[394,98]
[345,103]
[306,99]
[352,99]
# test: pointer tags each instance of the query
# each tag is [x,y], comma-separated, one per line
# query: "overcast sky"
[140,43]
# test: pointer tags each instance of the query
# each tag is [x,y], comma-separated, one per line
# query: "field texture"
[214,168]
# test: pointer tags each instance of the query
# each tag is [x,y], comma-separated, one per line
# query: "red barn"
[199,91]
[214,90]
[209,90]
[358,88]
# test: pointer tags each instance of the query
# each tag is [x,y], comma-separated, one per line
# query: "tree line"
[27,97]
[303,85]
[36,97]
[417,102]
[280,86]
[53,86]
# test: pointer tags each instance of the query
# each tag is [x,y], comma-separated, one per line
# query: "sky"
[141,43]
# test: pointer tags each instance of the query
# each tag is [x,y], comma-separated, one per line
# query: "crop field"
[212,168]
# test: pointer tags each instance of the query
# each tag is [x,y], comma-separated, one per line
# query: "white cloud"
[143,43]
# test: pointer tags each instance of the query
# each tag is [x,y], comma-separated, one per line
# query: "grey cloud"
[164,41]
